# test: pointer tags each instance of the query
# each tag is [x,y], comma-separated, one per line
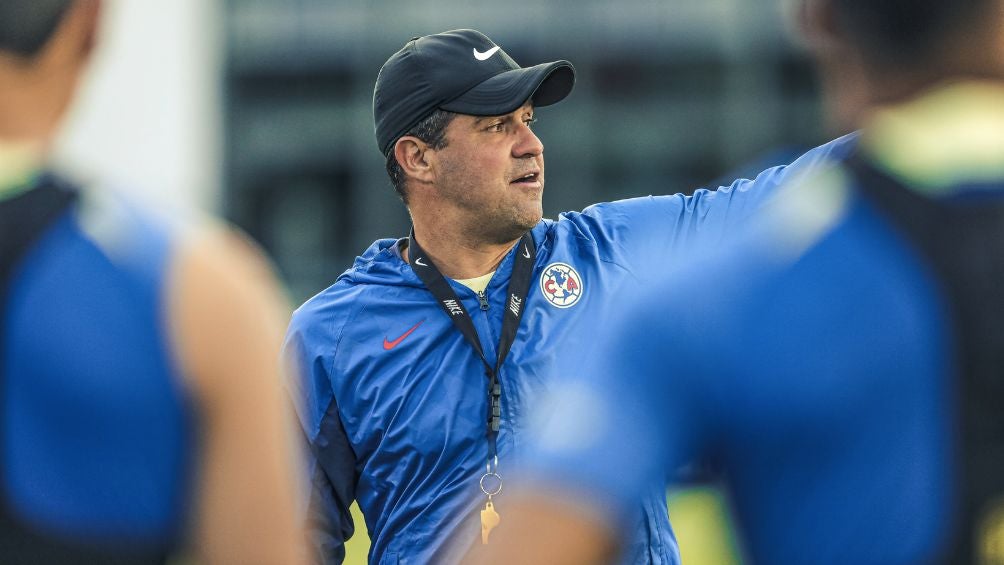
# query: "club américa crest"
[561,285]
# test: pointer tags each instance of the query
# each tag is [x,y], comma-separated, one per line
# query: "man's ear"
[414,156]
[92,16]
[818,25]
[76,35]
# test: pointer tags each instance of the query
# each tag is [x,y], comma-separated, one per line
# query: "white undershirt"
[477,284]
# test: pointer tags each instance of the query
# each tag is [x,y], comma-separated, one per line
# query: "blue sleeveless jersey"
[815,359]
[96,427]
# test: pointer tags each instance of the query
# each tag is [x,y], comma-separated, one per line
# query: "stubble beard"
[503,221]
[494,222]
[507,229]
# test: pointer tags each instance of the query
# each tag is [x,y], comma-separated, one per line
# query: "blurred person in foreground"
[140,408]
[419,360]
[844,364]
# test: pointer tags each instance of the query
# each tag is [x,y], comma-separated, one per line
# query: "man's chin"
[527,221]
[515,229]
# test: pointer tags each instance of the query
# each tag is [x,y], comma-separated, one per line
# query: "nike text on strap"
[519,286]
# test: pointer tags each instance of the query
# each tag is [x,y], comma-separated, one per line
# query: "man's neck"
[458,257]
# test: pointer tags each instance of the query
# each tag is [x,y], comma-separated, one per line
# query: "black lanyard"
[519,287]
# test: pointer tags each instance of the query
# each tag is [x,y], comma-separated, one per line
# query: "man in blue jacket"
[419,361]
[845,366]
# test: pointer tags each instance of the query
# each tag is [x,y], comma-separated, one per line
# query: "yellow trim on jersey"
[20,162]
[952,135]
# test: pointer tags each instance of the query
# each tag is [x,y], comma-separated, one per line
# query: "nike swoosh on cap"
[388,345]
[484,56]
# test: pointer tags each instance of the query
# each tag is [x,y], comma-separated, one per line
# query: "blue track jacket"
[392,399]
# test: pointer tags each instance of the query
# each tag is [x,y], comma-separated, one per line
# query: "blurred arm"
[540,530]
[227,320]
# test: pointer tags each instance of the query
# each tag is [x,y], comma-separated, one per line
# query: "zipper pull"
[483,300]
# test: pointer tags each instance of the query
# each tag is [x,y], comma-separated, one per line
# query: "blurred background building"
[670,94]
[261,110]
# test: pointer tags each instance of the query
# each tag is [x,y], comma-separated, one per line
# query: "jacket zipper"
[483,300]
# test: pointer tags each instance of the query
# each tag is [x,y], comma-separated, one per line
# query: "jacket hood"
[382,264]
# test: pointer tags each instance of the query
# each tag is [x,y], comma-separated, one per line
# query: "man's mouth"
[527,179]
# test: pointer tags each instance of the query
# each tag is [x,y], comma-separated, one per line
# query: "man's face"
[492,169]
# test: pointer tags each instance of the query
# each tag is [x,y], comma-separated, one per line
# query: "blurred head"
[874,52]
[452,116]
[44,46]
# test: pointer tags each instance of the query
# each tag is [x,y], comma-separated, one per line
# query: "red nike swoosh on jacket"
[388,345]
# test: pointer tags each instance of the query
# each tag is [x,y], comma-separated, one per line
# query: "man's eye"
[529,122]
[496,127]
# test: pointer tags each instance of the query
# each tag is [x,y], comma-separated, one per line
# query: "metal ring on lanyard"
[490,473]
[485,490]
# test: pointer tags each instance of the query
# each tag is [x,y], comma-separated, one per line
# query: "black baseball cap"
[459,71]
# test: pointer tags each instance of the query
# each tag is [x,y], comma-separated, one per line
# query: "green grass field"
[359,546]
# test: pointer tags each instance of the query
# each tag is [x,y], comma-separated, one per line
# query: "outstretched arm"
[640,230]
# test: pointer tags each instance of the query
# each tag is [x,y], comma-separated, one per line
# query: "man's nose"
[528,145]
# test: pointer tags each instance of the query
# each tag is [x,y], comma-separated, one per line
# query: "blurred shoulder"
[225,305]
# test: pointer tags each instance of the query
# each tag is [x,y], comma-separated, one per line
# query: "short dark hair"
[907,32]
[27,25]
[431,130]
